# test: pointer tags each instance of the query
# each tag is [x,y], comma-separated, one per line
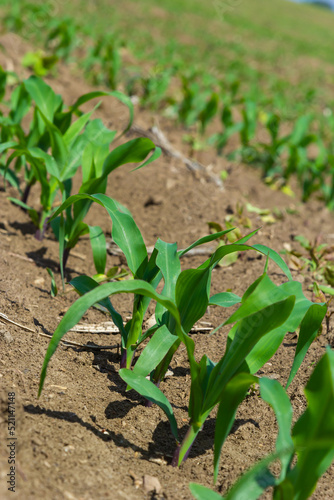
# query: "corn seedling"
[163,263]
[62,37]
[311,440]
[266,314]
[230,127]
[103,62]
[154,86]
[82,143]
[39,62]
[319,259]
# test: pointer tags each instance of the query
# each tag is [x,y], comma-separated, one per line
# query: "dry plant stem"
[83,346]
[5,318]
[22,257]
[113,250]
[159,138]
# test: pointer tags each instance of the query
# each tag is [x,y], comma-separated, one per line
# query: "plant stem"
[25,194]
[149,403]
[39,235]
[123,359]
[66,254]
[182,450]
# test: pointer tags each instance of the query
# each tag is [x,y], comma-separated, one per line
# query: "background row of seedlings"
[270,136]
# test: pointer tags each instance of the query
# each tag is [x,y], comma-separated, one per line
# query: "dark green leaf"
[99,248]
[232,395]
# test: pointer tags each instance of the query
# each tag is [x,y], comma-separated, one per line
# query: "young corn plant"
[248,130]
[311,440]
[230,127]
[198,104]
[163,263]
[103,62]
[153,86]
[62,37]
[84,143]
[49,130]
[266,314]
[318,259]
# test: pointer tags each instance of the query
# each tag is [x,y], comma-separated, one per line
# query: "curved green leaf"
[309,328]
[169,264]
[273,393]
[313,433]
[192,295]
[155,351]
[84,284]
[247,334]
[203,493]
[78,309]
[205,239]
[127,236]
[93,95]
[151,392]
[275,257]
[124,230]
[46,100]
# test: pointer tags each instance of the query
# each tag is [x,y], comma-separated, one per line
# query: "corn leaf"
[309,328]
[155,351]
[151,392]
[275,257]
[261,294]
[273,393]
[233,394]
[46,100]
[99,248]
[313,433]
[224,299]
[192,295]
[203,493]
[84,284]
[124,230]
[168,262]
[205,239]
[127,236]
[78,309]
[93,95]
[247,334]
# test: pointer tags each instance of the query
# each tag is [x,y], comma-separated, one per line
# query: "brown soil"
[86,438]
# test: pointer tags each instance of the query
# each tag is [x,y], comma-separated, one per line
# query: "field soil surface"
[85,437]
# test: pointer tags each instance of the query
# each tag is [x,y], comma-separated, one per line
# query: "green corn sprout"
[84,143]
[266,314]
[151,270]
[311,440]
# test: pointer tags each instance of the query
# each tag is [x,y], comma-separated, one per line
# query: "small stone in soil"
[151,484]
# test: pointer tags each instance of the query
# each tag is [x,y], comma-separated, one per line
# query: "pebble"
[8,337]
[151,484]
